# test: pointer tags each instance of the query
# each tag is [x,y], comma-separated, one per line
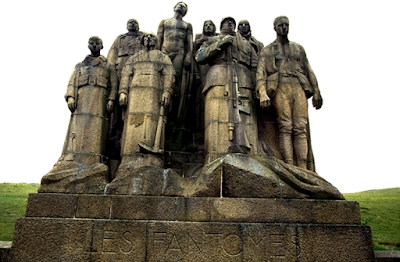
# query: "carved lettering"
[278,250]
[233,245]
[174,245]
[158,240]
[109,242]
[296,250]
[254,240]
[191,240]
[126,246]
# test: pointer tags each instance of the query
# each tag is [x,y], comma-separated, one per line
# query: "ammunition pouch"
[93,80]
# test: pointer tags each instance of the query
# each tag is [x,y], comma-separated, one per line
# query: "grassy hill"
[380,209]
[13,199]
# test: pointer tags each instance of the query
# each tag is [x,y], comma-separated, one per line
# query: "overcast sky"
[351,46]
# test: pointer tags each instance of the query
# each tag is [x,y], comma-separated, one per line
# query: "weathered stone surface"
[156,181]
[194,209]
[93,206]
[147,180]
[39,239]
[335,243]
[73,177]
[387,256]
[123,240]
[4,250]
[56,205]
[233,175]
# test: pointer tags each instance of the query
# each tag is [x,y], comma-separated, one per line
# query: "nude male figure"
[175,39]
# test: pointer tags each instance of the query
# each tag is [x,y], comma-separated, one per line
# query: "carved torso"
[175,33]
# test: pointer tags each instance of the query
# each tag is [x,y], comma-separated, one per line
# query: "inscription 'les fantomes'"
[274,245]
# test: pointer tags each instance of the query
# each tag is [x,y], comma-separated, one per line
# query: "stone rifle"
[156,149]
[237,136]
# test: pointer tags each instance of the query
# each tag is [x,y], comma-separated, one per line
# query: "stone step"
[195,209]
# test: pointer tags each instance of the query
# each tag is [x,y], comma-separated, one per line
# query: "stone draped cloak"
[145,77]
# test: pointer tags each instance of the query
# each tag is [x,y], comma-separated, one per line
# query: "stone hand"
[110,105]
[71,104]
[123,100]
[228,39]
[200,41]
[188,60]
[317,100]
[265,101]
[165,99]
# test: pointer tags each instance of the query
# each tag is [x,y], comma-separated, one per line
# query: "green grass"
[380,209]
[13,199]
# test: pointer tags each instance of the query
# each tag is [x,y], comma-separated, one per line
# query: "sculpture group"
[164,95]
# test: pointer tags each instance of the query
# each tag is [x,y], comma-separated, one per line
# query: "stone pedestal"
[69,227]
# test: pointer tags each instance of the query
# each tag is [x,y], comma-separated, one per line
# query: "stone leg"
[285,138]
[300,141]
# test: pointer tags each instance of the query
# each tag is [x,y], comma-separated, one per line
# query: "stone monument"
[124,46]
[247,197]
[91,92]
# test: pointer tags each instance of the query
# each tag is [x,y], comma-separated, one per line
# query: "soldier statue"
[124,46]
[230,119]
[245,31]
[285,77]
[91,92]
[200,73]
[145,90]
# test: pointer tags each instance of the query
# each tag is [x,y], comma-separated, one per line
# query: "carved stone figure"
[91,92]
[285,77]
[245,31]
[230,119]
[209,30]
[175,38]
[200,72]
[145,90]
[124,46]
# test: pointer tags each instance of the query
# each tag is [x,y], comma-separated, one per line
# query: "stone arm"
[126,78]
[261,80]
[253,65]
[160,35]
[317,98]
[167,79]
[112,55]
[113,80]
[198,41]
[209,50]
[72,89]
[189,46]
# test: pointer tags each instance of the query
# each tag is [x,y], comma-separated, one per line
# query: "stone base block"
[62,227]
[55,239]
